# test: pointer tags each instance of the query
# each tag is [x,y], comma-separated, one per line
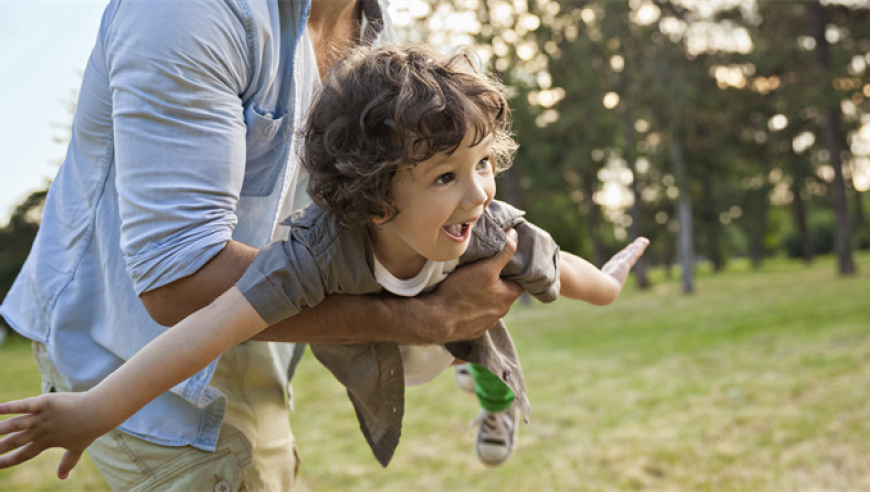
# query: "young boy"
[402,146]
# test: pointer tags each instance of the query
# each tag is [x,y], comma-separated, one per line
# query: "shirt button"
[506,374]
[221,487]
[394,410]
[392,372]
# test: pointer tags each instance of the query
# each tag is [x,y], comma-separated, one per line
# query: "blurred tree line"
[717,128]
[16,238]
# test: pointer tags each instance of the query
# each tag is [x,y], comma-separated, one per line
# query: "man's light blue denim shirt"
[180,142]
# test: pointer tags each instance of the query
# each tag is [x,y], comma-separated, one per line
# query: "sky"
[44,46]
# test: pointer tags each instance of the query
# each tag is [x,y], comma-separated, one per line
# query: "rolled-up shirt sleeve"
[284,278]
[179,132]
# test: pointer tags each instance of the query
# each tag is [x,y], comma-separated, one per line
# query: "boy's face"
[439,201]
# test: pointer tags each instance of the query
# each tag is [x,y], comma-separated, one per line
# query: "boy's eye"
[444,178]
[484,164]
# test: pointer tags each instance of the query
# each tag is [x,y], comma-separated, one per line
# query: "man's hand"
[473,298]
[47,421]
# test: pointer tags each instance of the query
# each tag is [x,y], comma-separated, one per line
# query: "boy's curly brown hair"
[383,109]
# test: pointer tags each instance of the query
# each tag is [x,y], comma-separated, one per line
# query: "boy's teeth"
[455,230]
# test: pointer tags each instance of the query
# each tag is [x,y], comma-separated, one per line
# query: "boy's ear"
[381,219]
[384,214]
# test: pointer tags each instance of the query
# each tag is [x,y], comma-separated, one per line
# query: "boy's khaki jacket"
[322,257]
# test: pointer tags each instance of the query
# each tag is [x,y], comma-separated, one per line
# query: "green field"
[758,382]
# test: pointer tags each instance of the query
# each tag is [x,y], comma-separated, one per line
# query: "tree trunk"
[636,229]
[835,143]
[799,213]
[799,208]
[670,256]
[684,213]
[593,219]
[758,228]
[843,237]
[711,226]
[860,218]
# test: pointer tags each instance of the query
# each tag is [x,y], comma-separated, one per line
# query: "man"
[180,166]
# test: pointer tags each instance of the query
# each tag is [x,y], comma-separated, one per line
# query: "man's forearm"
[342,319]
[173,302]
[338,319]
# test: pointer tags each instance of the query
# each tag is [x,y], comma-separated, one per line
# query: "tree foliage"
[17,237]
[739,123]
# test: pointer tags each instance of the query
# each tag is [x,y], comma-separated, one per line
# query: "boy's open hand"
[47,421]
[619,266]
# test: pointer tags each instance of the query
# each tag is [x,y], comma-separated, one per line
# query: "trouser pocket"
[131,464]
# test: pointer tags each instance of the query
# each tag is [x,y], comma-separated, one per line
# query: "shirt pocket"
[267,142]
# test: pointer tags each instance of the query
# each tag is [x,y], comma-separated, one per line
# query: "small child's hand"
[47,421]
[619,266]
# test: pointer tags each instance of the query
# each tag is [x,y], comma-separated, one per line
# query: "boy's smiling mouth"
[459,232]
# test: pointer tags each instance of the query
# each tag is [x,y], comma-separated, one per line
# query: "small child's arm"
[581,280]
[74,420]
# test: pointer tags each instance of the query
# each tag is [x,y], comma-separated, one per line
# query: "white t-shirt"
[421,362]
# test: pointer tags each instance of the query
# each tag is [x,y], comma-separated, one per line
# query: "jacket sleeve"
[535,265]
[179,131]
[284,278]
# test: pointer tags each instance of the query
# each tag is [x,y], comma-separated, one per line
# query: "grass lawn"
[757,382]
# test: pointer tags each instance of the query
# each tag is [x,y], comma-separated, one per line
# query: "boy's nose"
[478,193]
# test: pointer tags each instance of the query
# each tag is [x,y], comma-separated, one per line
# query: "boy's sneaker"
[496,436]
[464,378]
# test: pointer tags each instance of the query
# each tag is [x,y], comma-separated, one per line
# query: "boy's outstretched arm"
[581,280]
[74,420]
